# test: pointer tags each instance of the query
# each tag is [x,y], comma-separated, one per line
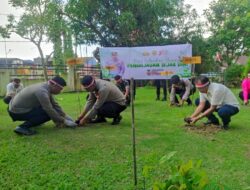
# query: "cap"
[117,77]
[175,79]
[87,80]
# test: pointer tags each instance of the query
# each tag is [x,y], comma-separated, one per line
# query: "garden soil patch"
[202,129]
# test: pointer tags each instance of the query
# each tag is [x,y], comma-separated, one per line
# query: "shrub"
[246,69]
[184,176]
[233,75]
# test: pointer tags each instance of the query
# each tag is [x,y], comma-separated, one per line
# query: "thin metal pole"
[5,52]
[167,91]
[192,78]
[133,131]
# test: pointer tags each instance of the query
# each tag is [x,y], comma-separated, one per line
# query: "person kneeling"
[184,88]
[35,105]
[14,87]
[214,97]
[105,100]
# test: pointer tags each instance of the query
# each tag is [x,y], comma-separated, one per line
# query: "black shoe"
[157,99]
[225,127]
[209,122]
[77,121]
[98,120]
[116,120]
[24,131]
[163,99]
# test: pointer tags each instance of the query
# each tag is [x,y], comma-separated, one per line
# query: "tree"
[41,22]
[127,23]
[229,24]
[31,25]
[59,34]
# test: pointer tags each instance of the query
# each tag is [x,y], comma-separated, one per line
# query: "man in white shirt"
[214,97]
[12,89]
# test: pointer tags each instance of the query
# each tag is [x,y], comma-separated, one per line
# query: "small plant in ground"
[183,176]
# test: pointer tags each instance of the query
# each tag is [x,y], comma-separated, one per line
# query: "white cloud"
[199,5]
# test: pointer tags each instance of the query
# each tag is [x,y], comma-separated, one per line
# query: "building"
[10,62]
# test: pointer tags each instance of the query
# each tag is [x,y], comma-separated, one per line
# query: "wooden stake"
[133,130]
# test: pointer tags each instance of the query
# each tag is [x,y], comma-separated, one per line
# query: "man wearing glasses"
[36,105]
[105,100]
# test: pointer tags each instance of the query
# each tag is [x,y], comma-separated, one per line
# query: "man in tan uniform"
[105,100]
[182,87]
[36,105]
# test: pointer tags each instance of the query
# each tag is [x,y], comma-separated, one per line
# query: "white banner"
[152,62]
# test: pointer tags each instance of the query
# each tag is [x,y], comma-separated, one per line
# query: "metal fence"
[30,74]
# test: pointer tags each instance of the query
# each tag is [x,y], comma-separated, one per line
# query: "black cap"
[117,77]
[59,80]
[86,80]
[175,79]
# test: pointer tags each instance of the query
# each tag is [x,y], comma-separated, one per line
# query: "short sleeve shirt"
[219,95]
[12,90]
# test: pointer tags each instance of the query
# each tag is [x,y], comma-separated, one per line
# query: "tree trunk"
[43,62]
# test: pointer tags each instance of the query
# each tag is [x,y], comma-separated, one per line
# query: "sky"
[17,47]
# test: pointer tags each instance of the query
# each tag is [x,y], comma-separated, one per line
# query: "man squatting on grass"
[105,100]
[35,105]
[184,88]
[14,87]
[214,97]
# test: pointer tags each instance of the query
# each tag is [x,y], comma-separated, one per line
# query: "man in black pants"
[105,100]
[158,85]
[35,105]
[123,85]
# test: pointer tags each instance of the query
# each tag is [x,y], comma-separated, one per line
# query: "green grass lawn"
[100,156]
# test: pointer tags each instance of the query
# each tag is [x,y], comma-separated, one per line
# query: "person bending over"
[183,88]
[12,89]
[36,105]
[105,100]
[214,97]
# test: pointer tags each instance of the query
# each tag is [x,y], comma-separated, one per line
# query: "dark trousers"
[241,96]
[128,100]
[225,112]
[181,93]
[7,99]
[110,110]
[158,85]
[35,117]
